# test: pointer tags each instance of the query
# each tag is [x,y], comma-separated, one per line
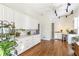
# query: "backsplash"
[26,32]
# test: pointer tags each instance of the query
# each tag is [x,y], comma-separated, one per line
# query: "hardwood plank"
[48,48]
[76,49]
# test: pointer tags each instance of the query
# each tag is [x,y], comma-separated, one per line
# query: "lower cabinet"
[69,38]
[20,47]
[57,35]
[27,43]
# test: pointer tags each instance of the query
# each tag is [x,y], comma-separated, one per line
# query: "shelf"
[6,38]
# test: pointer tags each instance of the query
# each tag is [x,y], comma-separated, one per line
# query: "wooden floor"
[48,48]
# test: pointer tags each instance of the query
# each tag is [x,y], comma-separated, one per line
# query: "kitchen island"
[70,37]
[27,42]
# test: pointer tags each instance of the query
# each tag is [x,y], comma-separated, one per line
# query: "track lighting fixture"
[56,12]
[68,4]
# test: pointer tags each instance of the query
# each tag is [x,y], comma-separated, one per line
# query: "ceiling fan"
[68,4]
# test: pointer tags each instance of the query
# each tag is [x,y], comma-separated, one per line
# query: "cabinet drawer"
[58,36]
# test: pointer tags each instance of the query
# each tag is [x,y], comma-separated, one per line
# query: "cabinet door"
[23,45]
[78,23]
[75,23]
[55,36]
[27,23]
[31,23]
[36,39]
[30,42]
[58,36]
[16,19]
[34,24]
[27,43]
[19,20]
[1,12]
[20,47]
[8,14]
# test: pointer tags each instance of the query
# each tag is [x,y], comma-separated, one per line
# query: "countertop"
[23,36]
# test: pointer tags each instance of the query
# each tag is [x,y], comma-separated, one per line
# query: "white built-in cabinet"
[21,20]
[6,13]
[25,43]
[57,35]
[25,22]
[31,23]
[76,24]
[1,12]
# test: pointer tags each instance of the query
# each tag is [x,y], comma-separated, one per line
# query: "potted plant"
[6,47]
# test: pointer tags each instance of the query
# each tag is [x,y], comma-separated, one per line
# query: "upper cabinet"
[18,20]
[1,12]
[6,13]
[31,23]
[25,22]
[34,24]
[21,20]
[76,23]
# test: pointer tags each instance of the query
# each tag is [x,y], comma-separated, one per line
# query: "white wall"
[45,28]
[64,23]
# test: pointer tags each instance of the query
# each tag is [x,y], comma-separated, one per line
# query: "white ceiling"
[42,9]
